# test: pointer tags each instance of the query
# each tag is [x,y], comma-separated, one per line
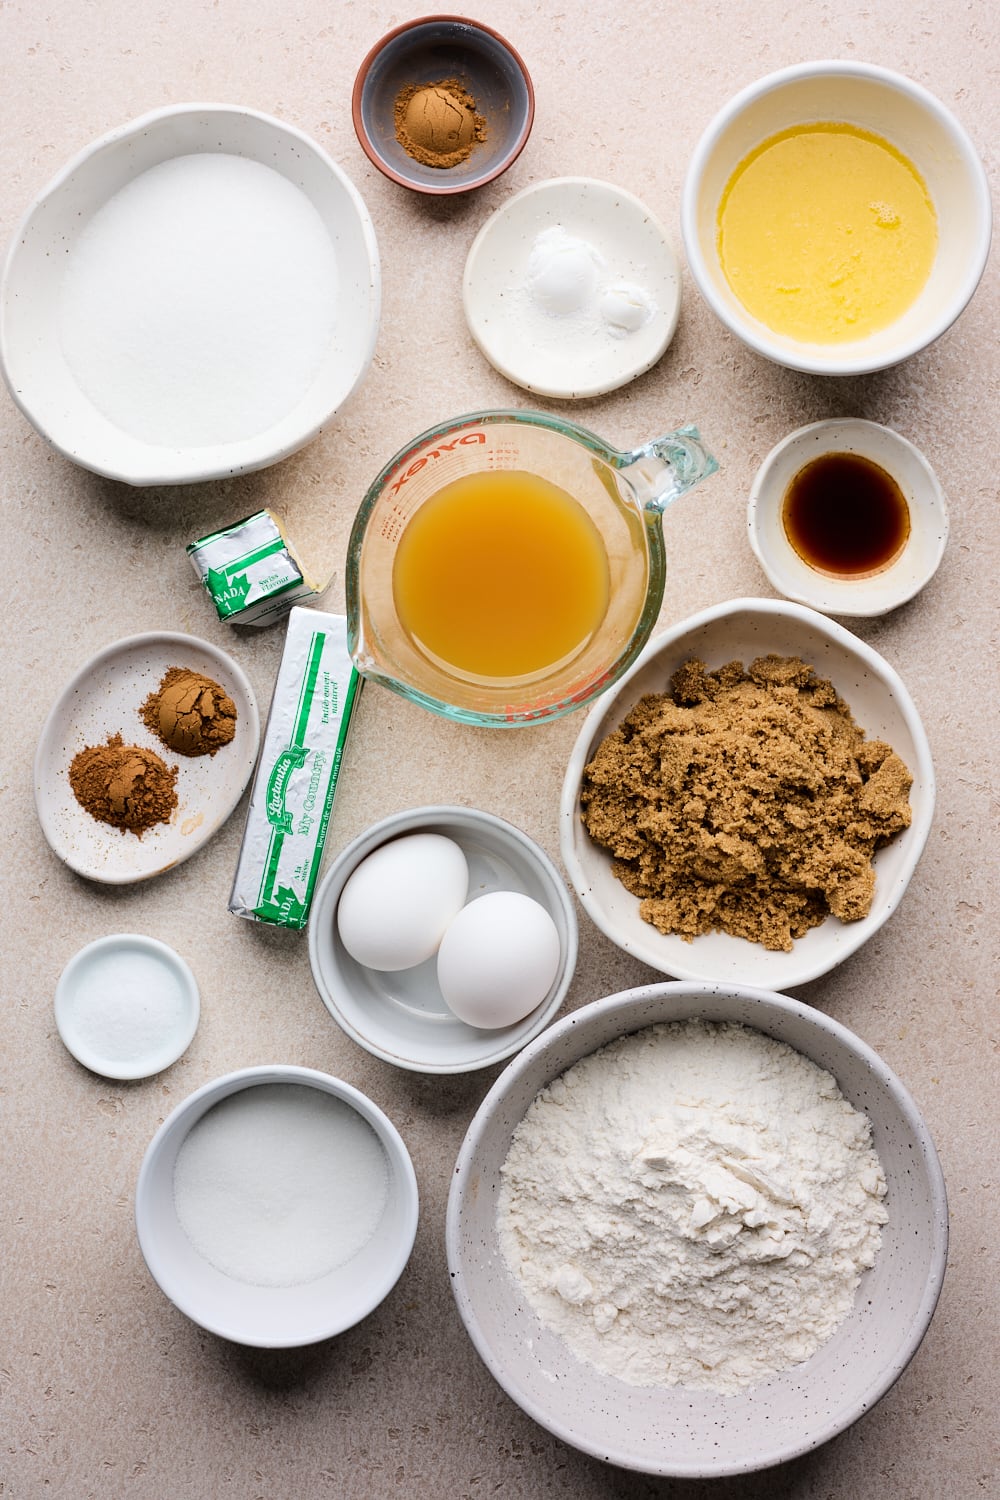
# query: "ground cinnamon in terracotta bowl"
[442,104]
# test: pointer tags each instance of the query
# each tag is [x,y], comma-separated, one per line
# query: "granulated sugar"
[280,1184]
[199,301]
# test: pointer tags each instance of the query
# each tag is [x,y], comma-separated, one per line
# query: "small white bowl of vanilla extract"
[847,516]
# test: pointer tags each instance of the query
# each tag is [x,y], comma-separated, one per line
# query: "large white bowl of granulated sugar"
[276,1206]
[697,1229]
[193,296]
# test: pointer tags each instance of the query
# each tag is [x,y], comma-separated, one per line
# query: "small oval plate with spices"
[751,807]
[144,755]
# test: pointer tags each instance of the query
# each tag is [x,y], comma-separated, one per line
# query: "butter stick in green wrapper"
[296,777]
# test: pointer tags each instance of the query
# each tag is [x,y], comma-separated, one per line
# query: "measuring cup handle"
[668,466]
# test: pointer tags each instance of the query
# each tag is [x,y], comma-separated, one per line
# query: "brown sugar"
[747,802]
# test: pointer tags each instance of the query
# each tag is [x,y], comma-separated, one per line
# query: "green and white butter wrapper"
[296,777]
[250,570]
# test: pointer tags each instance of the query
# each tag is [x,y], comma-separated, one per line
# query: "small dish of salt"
[572,288]
[127,1006]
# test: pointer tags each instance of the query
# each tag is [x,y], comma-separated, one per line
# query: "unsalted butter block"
[296,777]
[251,571]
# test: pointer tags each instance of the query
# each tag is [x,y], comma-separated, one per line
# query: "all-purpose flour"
[693,1204]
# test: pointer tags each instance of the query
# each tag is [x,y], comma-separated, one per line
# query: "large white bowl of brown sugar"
[749,802]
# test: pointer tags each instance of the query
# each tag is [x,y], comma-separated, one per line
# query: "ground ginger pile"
[746,802]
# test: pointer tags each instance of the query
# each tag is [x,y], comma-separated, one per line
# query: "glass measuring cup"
[623,494]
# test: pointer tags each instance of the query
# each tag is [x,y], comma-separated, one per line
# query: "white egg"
[395,907]
[498,959]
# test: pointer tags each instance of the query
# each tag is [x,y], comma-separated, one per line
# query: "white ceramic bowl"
[402,1017]
[127,1006]
[903,113]
[673,1430]
[86,425]
[743,629]
[905,576]
[576,355]
[272,1316]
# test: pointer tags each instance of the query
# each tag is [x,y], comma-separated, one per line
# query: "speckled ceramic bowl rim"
[625,1005]
[379,161]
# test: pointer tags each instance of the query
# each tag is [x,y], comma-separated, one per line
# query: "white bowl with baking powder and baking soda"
[276,1206]
[678,1430]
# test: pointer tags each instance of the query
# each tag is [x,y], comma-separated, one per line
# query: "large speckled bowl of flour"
[593,1184]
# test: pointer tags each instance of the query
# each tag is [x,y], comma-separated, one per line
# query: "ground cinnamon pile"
[747,802]
[190,713]
[437,124]
[124,785]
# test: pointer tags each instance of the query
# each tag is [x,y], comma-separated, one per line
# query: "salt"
[126,1006]
[124,1011]
[279,1184]
[199,302]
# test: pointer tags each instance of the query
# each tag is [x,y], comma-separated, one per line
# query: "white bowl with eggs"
[248,1231]
[194,295]
[498,937]
[742,630]
[688,1432]
[914,123]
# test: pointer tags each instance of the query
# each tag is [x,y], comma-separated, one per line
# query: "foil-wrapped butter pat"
[251,571]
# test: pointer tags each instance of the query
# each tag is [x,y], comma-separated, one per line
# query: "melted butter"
[826,233]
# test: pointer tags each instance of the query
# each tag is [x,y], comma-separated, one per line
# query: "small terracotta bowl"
[430,50]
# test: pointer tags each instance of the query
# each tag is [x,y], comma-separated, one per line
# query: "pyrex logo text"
[418,463]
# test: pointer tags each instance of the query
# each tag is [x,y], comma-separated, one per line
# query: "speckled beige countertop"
[105,1389]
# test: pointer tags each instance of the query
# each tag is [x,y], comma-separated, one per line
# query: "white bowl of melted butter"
[836,217]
